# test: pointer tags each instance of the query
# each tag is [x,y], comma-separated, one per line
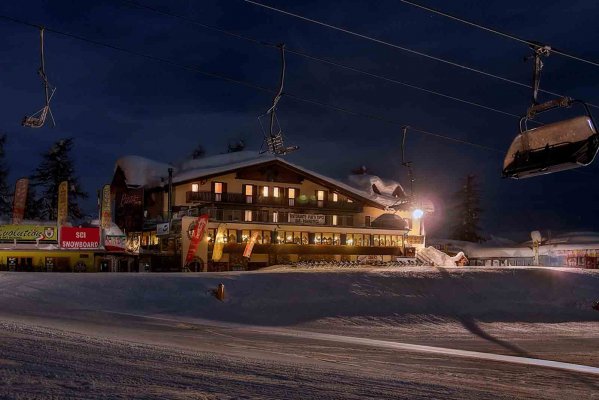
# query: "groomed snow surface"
[409,332]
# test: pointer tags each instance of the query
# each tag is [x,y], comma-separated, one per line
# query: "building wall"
[64,260]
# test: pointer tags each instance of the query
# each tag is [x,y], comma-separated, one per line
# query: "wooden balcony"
[300,202]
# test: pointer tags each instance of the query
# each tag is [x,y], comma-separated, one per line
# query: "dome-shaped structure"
[391,221]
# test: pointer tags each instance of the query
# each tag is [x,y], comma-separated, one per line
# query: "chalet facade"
[294,214]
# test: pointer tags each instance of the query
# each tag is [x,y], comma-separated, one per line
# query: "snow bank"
[434,257]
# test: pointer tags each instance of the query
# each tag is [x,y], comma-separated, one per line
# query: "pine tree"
[56,167]
[466,212]
[33,205]
[5,193]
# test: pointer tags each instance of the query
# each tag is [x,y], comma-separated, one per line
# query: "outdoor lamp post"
[419,214]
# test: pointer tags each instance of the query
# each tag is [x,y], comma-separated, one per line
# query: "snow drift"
[431,256]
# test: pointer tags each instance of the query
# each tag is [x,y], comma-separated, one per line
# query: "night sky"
[114,104]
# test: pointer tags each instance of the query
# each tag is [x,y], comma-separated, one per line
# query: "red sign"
[79,238]
[197,235]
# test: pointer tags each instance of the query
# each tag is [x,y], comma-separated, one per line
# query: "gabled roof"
[152,174]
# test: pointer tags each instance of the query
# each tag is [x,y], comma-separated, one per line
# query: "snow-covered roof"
[220,163]
[141,171]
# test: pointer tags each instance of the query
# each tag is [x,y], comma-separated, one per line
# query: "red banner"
[79,238]
[198,233]
[20,199]
[247,252]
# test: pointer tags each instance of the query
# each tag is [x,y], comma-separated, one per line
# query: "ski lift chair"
[552,147]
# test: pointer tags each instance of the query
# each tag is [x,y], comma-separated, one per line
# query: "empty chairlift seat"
[551,148]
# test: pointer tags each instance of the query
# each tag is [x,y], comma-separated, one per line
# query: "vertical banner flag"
[63,202]
[19,201]
[250,245]
[105,210]
[219,242]
[198,233]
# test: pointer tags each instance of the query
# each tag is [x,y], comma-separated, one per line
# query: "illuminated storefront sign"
[30,233]
[307,219]
[115,243]
[79,238]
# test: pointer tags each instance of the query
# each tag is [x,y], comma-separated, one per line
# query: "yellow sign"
[63,202]
[30,233]
[219,242]
[106,212]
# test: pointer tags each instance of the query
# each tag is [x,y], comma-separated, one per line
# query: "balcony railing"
[300,202]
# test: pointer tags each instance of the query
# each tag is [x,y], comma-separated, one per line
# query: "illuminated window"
[249,194]
[195,187]
[265,191]
[320,198]
[349,240]
[334,221]
[248,216]
[291,195]
[275,216]
[276,192]
[335,197]
[350,201]
[218,191]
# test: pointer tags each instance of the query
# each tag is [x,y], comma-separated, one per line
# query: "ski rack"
[274,138]
[38,119]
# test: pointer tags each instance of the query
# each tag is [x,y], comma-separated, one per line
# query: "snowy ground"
[286,333]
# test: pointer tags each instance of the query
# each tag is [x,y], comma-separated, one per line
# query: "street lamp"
[417,213]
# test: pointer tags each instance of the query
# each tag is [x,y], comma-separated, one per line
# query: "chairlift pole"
[277,97]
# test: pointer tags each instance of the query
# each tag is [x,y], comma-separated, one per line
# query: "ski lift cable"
[318,59]
[497,32]
[251,85]
[406,49]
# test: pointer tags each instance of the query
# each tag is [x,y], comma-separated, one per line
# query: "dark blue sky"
[115,104]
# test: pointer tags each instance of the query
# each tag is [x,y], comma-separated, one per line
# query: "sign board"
[129,209]
[163,229]
[370,258]
[28,233]
[79,238]
[115,242]
[307,219]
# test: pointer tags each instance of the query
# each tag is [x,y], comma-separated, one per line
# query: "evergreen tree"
[57,166]
[5,192]
[33,205]
[466,212]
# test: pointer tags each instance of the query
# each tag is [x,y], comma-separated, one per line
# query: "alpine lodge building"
[289,213]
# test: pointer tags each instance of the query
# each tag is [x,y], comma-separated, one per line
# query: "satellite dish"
[535,236]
